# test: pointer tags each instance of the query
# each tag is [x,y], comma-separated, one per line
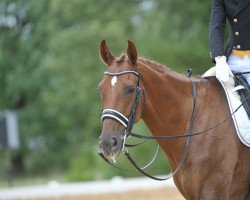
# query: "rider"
[236,56]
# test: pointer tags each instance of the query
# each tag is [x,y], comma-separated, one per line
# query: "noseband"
[127,122]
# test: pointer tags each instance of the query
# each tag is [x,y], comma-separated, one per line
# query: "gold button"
[236,33]
[238,46]
[235,20]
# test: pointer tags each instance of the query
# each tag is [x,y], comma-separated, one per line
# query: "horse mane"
[164,69]
[120,59]
[153,64]
[159,67]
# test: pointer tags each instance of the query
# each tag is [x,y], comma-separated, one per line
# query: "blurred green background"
[50,70]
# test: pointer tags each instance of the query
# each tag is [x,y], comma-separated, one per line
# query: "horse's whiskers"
[113,158]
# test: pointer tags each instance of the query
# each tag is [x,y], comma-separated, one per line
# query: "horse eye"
[130,90]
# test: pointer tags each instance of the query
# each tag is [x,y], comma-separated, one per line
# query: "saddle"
[243,92]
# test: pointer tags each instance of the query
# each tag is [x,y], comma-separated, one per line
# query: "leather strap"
[184,154]
[111,113]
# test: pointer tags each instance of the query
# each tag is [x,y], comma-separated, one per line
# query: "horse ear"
[132,52]
[105,54]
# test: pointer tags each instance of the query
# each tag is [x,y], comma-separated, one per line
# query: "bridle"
[128,123]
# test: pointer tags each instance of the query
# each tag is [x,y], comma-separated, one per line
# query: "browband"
[121,73]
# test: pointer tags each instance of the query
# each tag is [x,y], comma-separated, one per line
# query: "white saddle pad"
[240,118]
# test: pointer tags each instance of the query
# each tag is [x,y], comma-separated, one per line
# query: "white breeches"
[240,65]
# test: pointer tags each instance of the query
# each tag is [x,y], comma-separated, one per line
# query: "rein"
[184,154]
[129,122]
[176,136]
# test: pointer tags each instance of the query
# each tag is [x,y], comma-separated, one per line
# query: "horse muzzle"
[111,145]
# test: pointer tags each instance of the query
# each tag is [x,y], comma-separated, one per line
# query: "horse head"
[120,96]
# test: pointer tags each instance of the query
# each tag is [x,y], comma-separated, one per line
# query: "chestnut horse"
[217,165]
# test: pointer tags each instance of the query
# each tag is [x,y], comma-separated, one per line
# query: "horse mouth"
[111,151]
[111,155]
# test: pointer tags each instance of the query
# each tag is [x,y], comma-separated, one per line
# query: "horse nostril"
[101,146]
[113,142]
[109,145]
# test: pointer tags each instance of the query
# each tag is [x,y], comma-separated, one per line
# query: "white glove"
[222,69]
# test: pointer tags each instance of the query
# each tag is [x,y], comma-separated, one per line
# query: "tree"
[50,69]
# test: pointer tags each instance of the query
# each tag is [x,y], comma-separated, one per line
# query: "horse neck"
[168,105]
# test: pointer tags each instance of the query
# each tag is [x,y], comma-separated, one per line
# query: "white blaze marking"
[113,81]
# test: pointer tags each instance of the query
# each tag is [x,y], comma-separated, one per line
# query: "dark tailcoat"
[238,14]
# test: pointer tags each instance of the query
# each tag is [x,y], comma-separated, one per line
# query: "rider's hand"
[222,69]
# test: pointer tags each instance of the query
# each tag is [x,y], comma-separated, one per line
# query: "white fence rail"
[56,189]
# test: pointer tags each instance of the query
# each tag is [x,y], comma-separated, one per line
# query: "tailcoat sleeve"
[217,29]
